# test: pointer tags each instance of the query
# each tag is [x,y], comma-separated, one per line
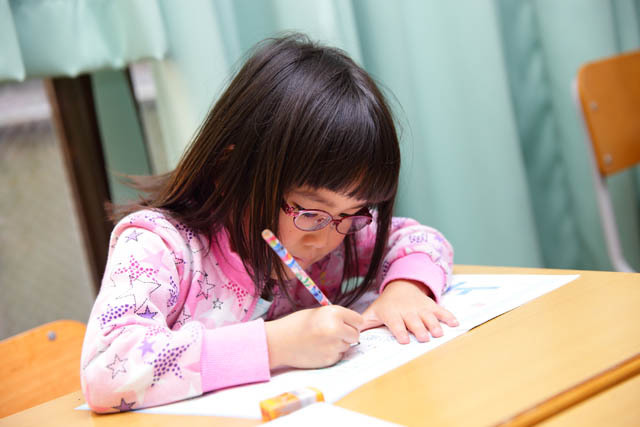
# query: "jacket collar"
[230,262]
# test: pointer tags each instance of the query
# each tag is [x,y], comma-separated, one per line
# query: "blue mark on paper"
[467,289]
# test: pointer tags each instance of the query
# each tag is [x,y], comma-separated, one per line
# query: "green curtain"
[545,42]
[493,148]
[69,37]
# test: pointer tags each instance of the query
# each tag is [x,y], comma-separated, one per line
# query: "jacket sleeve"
[142,349]
[414,252]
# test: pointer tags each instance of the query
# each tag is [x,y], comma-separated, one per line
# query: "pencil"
[290,262]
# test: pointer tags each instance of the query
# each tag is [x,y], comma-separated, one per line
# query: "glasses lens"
[352,224]
[312,220]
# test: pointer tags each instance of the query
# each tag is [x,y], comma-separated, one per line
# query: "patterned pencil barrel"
[290,262]
[286,403]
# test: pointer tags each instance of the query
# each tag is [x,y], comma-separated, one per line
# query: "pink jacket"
[172,319]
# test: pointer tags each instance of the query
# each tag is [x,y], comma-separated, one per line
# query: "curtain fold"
[494,152]
[68,37]
[462,167]
[11,65]
[528,71]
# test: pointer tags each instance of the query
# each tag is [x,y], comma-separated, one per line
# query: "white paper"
[473,299]
[324,414]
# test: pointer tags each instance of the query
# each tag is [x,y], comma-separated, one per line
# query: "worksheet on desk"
[473,299]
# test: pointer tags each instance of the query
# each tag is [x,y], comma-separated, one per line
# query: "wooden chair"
[607,93]
[40,364]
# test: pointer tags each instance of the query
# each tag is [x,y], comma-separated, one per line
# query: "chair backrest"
[609,92]
[40,364]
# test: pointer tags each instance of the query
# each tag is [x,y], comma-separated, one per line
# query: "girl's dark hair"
[296,114]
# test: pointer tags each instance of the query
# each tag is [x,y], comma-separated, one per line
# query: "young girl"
[301,142]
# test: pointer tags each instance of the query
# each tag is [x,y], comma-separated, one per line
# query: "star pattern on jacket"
[124,406]
[205,286]
[117,366]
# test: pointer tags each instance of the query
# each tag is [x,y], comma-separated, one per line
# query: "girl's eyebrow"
[317,198]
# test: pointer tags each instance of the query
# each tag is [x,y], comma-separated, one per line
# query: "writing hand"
[312,338]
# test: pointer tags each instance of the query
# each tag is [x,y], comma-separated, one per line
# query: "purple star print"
[146,347]
[124,406]
[167,361]
[114,313]
[148,314]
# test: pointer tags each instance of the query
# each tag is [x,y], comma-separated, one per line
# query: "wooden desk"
[483,377]
[620,404]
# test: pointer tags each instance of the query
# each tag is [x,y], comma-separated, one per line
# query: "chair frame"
[602,163]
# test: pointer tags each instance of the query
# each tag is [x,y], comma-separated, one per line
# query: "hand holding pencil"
[310,338]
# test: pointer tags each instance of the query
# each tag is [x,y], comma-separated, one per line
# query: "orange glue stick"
[286,403]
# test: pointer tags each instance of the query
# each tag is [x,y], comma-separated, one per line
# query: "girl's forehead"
[327,197]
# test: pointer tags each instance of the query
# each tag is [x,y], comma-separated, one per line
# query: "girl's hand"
[405,305]
[312,338]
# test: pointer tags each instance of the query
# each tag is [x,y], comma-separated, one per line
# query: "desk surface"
[620,403]
[483,377]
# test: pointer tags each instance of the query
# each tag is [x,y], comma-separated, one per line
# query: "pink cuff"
[233,355]
[417,266]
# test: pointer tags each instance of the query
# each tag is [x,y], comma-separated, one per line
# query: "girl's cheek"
[335,242]
[287,236]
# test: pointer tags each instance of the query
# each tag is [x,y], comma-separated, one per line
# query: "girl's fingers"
[397,327]
[432,323]
[342,323]
[416,325]
[446,317]
[344,347]
[350,317]
[349,334]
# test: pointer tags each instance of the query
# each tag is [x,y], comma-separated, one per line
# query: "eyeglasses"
[315,219]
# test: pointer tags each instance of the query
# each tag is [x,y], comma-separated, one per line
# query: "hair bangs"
[341,143]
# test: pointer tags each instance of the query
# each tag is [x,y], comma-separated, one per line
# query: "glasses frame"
[296,212]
